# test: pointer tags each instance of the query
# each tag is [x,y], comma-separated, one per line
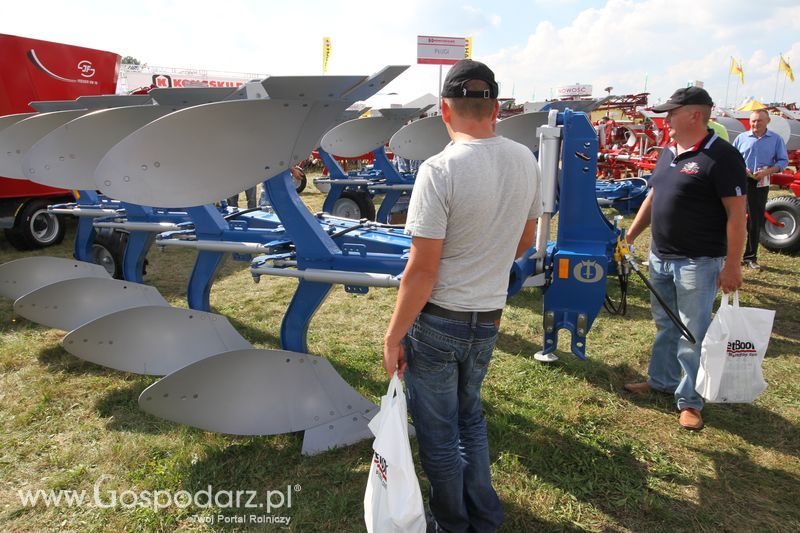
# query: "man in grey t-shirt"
[473,211]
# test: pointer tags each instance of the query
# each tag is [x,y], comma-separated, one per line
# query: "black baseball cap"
[464,71]
[686,96]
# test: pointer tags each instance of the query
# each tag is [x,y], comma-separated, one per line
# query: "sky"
[534,46]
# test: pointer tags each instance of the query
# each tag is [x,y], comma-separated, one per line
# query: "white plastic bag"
[732,352]
[392,502]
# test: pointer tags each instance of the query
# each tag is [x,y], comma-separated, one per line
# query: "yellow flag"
[468,48]
[736,68]
[784,66]
[326,53]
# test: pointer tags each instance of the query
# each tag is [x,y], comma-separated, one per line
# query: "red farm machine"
[40,71]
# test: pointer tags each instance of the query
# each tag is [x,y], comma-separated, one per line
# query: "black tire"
[108,250]
[301,182]
[355,205]
[35,227]
[785,209]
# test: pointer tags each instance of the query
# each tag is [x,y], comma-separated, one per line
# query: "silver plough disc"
[153,340]
[733,126]
[780,125]
[360,136]
[522,128]
[402,113]
[326,92]
[49,106]
[794,134]
[337,433]
[322,117]
[67,156]
[190,96]
[19,277]
[72,303]
[375,83]
[18,138]
[107,101]
[197,155]
[421,139]
[10,120]
[256,392]
[310,87]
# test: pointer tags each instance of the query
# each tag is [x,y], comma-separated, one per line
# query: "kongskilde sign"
[433,50]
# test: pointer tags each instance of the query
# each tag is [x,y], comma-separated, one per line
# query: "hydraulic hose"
[623,252]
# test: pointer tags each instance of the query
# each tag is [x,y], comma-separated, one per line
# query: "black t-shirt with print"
[688,217]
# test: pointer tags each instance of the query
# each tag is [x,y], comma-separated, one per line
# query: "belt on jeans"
[462,316]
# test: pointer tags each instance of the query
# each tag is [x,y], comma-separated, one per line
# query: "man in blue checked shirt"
[764,154]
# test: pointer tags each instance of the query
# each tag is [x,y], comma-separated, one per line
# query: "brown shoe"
[691,419]
[638,388]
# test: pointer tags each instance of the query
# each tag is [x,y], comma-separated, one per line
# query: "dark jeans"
[447,361]
[250,194]
[756,202]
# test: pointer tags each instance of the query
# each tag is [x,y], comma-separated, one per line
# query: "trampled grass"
[569,450]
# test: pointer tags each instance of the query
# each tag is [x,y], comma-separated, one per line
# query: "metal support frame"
[585,243]
[315,249]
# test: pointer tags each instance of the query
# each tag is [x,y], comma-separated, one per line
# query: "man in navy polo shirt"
[697,210]
[764,154]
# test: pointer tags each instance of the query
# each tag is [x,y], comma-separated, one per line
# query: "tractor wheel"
[35,227]
[108,250]
[355,205]
[300,180]
[786,210]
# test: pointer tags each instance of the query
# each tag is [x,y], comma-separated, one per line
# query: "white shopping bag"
[732,352]
[392,502]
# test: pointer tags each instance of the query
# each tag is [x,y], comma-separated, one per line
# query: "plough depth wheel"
[786,239]
[355,205]
[35,227]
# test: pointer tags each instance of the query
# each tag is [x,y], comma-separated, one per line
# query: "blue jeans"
[447,361]
[688,286]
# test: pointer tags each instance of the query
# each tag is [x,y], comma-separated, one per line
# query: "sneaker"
[752,265]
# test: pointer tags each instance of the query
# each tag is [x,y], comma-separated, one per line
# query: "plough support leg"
[305,302]
[205,270]
[139,243]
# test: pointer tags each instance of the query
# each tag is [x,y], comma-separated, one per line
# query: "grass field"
[569,451]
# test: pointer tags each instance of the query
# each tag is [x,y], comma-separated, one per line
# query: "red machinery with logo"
[34,70]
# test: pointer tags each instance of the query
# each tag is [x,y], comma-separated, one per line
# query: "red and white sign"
[567,91]
[433,50]
[159,78]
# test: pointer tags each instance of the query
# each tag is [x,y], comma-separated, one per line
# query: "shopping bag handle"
[394,385]
[735,298]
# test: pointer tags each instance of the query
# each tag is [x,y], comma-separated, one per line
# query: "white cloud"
[619,43]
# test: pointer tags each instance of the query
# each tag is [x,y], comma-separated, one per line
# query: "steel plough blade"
[16,139]
[67,156]
[522,128]
[360,136]
[256,392]
[421,139]
[153,340]
[69,304]
[197,155]
[21,276]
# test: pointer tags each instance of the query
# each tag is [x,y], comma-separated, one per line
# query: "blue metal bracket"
[585,243]
[393,177]
[315,249]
